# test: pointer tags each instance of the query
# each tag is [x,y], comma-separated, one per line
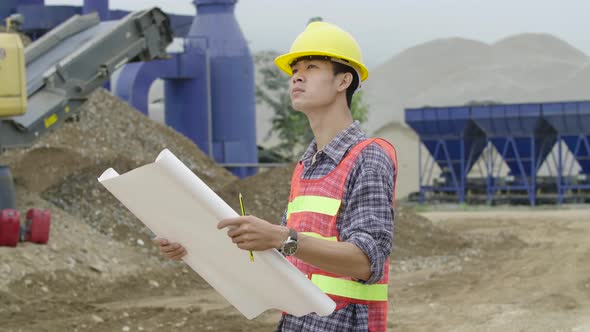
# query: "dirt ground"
[538,281]
[501,269]
[508,271]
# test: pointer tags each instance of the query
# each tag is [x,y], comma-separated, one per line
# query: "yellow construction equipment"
[13,84]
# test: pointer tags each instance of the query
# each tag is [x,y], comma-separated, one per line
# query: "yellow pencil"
[243,214]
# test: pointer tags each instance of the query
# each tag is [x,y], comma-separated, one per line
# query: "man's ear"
[345,80]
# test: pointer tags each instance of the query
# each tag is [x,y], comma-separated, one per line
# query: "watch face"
[290,248]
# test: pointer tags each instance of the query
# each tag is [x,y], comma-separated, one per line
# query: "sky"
[383,28]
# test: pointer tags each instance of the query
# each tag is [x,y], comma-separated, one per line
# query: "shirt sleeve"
[367,219]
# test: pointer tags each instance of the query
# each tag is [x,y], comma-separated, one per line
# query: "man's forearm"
[341,258]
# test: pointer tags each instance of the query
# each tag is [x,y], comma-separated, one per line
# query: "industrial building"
[520,136]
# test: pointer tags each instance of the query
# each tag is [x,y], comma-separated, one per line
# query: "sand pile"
[520,68]
[455,71]
[108,130]
[63,166]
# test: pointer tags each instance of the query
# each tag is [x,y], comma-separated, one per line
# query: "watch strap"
[292,234]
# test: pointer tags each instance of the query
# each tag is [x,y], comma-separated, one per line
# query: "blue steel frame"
[572,122]
[581,143]
[523,140]
[441,149]
[454,143]
[509,146]
[523,134]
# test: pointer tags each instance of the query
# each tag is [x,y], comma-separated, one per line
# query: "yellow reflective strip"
[350,289]
[49,121]
[317,204]
[318,236]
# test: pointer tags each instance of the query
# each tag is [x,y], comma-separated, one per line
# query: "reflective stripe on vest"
[349,288]
[318,204]
[318,236]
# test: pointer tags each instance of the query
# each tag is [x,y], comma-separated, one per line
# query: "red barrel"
[9,227]
[37,226]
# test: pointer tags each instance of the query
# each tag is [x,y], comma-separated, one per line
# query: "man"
[338,227]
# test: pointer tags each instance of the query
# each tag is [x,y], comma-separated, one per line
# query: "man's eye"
[293,71]
[311,66]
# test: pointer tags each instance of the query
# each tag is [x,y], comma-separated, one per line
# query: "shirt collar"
[339,145]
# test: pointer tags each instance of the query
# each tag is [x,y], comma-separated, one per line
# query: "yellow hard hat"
[324,39]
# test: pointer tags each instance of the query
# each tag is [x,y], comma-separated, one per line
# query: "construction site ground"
[453,268]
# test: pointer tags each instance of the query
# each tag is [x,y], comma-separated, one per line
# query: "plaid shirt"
[365,219]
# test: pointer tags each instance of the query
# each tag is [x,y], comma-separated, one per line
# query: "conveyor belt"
[76,58]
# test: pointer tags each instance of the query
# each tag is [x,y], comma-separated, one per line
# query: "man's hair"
[340,68]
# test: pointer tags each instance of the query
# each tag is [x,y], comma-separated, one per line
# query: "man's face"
[313,84]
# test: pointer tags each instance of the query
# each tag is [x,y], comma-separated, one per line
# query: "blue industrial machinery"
[523,140]
[39,18]
[101,7]
[572,122]
[208,87]
[522,134]
[454,142]
[64,67]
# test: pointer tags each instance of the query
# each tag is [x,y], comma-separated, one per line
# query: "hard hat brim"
[284,62]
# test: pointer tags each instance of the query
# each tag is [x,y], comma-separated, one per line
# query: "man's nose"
[297,78]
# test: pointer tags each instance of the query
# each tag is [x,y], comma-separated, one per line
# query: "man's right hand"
[172,251]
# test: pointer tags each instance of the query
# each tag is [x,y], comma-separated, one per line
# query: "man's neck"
[327,123]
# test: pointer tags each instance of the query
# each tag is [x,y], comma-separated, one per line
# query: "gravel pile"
[63,166]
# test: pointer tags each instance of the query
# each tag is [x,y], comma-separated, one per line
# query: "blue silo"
[232,83]
[208,87]
[99,6]
[572,122]
[522,138]
[454,142]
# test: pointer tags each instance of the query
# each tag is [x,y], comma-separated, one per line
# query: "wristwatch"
[289,247]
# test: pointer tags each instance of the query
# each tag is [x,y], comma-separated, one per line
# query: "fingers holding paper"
[252,233]
[172,251]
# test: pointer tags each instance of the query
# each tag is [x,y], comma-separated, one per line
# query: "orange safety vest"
[313,211]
